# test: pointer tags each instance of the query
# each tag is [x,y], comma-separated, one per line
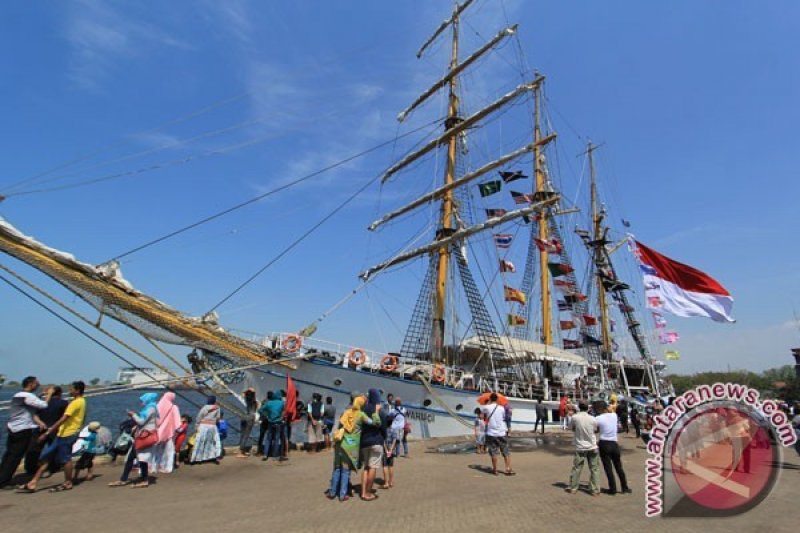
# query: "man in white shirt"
[609,451]
[23,425]
[585,426]
[496,434]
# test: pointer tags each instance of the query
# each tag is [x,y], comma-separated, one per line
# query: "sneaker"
[627,491]
[570,491]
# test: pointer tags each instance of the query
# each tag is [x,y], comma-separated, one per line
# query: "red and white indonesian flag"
[680,289]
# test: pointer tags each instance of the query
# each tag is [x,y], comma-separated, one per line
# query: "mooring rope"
[438,399]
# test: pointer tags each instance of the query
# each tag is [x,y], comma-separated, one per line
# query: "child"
[180,437]
[88,450]
[124,441]
[480,432]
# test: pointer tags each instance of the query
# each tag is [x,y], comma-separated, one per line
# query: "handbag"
[145,439]
[407,427]
[339,435]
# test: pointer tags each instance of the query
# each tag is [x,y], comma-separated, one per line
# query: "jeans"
[582,457]
[244,434]
[609,455]
[623,421]
[17,446]
[126,471]
[273,442]
[536,424]
[262,431]
[405,444]
[340,481]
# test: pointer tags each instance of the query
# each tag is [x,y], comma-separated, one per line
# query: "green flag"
[559,269]
[489,188]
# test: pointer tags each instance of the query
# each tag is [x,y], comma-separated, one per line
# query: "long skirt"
[207,446]
[162,459]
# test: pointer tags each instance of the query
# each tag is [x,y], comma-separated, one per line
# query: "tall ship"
[501,306]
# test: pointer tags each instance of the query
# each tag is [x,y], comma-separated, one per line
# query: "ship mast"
[544,272]
[446,227]
[599,236]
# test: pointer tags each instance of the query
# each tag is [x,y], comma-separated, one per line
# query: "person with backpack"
[124,441]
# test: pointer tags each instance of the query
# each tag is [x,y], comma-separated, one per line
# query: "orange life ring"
[292,343]
[357,357]
[438,374]
[389,363]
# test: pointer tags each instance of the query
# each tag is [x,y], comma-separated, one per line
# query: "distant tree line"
[778,382]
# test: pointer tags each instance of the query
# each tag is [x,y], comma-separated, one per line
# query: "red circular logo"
[723,459]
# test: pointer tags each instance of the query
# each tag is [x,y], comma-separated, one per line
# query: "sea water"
[112,409]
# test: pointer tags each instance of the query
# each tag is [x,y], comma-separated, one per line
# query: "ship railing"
[407,367]
[515,388]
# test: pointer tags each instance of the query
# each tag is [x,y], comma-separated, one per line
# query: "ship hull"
[428,415]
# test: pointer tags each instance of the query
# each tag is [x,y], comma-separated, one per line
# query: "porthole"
[426,403]
[337,382]
[459,407]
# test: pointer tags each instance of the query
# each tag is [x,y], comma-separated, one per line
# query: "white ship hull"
[427,415]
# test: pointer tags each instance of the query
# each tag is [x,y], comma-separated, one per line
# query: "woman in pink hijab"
[169,420]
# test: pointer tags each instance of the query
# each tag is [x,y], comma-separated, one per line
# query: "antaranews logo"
[715,451]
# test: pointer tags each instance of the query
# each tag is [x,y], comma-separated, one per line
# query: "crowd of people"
[42,431]
[368,437]
[46,432]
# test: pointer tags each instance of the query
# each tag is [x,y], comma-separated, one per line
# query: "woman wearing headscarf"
[146,421]
[207,446]
[347,444]
[169,420]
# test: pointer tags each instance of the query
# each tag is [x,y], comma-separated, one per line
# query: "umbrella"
[483,399]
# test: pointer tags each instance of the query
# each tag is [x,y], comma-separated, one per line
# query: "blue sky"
[694,102]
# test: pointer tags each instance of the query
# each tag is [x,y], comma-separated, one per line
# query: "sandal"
[119,483]
[510,473]
[24,489]
[61,488]
[141,485]
[374,497]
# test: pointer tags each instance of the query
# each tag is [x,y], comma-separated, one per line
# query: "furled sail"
[104,288]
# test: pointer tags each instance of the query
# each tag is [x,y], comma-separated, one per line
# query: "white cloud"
[99,36]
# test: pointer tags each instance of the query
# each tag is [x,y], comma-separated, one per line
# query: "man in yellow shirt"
[67,429]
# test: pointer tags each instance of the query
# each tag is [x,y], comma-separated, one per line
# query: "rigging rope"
[264,195]
[312,229]
[442,403]
[171,144]
[111,146]
[88,336]
[95,325]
